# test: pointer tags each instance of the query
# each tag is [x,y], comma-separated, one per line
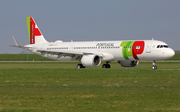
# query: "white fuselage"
[147,50]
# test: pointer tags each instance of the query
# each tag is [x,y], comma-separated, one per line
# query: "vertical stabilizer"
[35,35]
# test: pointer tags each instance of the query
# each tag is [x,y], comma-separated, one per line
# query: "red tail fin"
[35,35]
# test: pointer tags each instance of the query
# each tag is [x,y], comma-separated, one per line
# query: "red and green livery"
[132,49]
[32,30]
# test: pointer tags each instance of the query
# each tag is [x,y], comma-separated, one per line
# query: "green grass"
[49,87]
[22,57]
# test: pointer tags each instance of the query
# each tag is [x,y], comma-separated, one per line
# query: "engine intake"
[91,60]
[128,63]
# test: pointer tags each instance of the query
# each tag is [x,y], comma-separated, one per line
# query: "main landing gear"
[80,66]
[106,65]
[154,65]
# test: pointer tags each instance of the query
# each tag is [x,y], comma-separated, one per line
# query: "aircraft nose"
[171,53]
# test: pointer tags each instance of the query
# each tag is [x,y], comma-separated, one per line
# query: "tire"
[79,66]
[104,66]
[154,67]
[108,65]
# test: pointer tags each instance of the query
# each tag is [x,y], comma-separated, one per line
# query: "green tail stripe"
[28,26]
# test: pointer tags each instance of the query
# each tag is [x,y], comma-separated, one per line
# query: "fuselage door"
[71,48]
[148,47]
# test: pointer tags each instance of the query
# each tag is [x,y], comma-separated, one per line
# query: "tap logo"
[131,49]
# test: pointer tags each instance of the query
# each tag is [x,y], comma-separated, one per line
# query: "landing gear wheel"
[154,67]
[80,66]
[106,66]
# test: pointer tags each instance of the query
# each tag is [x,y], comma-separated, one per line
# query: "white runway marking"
[168,69]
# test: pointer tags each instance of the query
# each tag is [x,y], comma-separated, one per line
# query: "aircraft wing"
[66,53]
[60,52]
[19,46]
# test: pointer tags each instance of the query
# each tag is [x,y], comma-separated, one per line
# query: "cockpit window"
[165,46]
[162,46]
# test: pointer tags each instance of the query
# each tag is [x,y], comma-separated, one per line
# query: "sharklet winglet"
[17,44]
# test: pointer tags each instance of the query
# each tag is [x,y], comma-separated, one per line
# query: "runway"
[168,69]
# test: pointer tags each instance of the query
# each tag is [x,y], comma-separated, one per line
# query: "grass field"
[60,87]
[23,57]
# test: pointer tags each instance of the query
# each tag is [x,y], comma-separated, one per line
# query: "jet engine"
[128,63]
[90,60]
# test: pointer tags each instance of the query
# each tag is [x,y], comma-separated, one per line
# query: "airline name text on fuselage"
[105,44]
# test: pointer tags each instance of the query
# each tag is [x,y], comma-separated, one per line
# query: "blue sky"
[89,20]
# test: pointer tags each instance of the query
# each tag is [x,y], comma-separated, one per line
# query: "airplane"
[127,53]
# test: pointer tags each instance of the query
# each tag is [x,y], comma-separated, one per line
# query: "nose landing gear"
[154,67]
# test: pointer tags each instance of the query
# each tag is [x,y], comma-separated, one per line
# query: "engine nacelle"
[90,60]
[128,63]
